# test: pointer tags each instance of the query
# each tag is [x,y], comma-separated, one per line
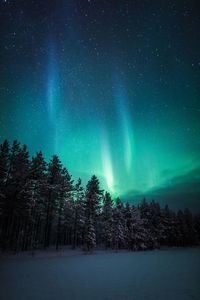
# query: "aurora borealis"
[112,87]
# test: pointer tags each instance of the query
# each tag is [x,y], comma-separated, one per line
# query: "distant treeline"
[41,206]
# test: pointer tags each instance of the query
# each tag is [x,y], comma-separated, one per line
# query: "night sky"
[112,87]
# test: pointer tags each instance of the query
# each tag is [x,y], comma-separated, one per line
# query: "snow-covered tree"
[118,225]
[90,237]
[4,173]
[93,199]
[79,215]
[41,206]
[17,177]
[54,182]
[140,233]
[107,220]
[64,196]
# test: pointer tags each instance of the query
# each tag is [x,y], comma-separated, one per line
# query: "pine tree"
[197,228]
[18,174]
[170,228]
[190,234]
[140,234]
[155,224]
[64,197]
[90,237]
[54,182]
[4,173]
[119,225]
[107,220]
[36,188]
[187,235]
[128,226]
[146,215]
[4,164]
[93,198]
[79,215]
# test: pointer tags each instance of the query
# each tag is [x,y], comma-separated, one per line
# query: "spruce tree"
[107,220]
[18,175]
[54,181]
[140,233]
[90,236]
[64,199]
[4,173]
[93,199]
[129,237]
[118,225]
[4,164]
[79,215]
[36,189]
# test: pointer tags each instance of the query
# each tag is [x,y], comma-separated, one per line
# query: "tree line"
[42,206]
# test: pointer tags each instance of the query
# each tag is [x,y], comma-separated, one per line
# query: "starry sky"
[112,87]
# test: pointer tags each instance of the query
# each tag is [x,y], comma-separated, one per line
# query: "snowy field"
[162,274]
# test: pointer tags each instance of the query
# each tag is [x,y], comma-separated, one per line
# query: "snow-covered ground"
[168,274]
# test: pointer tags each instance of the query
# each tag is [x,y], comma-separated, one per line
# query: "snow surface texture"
[170,274]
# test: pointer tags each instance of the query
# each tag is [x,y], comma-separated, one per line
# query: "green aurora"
[112,88]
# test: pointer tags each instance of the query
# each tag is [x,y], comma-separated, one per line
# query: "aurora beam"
[51,83]
[121,99]
[107,162]
[54,95]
